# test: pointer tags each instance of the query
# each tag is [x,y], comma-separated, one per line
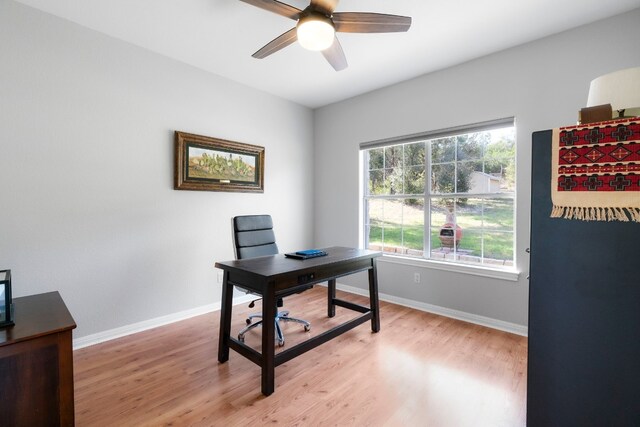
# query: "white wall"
[543,84]
[87,205]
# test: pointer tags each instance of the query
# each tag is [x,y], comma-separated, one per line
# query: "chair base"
[280,316]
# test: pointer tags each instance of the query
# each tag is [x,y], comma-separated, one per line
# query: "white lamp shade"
[621,89]
[315,34]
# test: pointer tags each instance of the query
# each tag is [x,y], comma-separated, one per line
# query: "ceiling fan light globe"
[315,34]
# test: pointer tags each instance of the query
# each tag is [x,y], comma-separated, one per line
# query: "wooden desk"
[36,364]
[271,276]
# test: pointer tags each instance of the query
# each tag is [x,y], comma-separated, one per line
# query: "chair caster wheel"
[241,338]
[248,322]
[307,328]
[280,343]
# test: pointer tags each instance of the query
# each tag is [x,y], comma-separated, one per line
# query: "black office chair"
[253,237]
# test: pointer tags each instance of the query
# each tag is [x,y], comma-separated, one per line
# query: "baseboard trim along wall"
[489,322]
[111,334]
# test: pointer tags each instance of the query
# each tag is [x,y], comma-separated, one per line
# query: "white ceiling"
[220,35]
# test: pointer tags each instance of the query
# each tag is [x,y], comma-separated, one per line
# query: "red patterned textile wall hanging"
[596,171]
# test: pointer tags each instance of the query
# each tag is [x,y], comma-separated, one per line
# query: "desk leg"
[331,293]
[225,319]
[373,296]
[268,339]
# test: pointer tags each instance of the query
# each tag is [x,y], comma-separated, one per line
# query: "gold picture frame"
[203,163]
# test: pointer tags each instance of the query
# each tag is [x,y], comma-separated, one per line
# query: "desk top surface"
[272,265]
[35,316]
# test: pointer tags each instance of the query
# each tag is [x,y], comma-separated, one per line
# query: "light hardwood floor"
[419,370]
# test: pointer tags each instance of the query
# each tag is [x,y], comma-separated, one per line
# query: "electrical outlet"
[219,276]
[416,277]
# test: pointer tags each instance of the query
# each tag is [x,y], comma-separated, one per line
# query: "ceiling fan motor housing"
[315,31]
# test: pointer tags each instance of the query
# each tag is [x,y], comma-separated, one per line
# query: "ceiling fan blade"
[276,7]
[335,55]
[280,42]
[359,22]
[325,6]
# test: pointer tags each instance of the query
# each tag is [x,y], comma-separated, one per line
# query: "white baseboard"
[513,328]
[153,323]
[186,314]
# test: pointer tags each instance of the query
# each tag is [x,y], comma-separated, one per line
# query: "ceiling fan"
[317,25]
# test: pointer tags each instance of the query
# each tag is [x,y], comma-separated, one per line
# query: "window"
[446,195]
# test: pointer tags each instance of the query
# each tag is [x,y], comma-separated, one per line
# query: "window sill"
[494,273]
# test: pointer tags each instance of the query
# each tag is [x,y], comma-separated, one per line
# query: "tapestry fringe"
[596,214]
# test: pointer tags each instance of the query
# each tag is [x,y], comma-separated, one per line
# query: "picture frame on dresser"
[6,300]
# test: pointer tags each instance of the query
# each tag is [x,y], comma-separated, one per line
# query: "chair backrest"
[253,236]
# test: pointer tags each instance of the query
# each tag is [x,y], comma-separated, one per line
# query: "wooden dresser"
[36,364]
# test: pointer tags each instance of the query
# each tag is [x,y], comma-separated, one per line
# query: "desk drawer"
[318,274]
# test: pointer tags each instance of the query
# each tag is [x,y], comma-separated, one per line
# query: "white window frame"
[509,273]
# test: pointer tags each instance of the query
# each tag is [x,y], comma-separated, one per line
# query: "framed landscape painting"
[212,164]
